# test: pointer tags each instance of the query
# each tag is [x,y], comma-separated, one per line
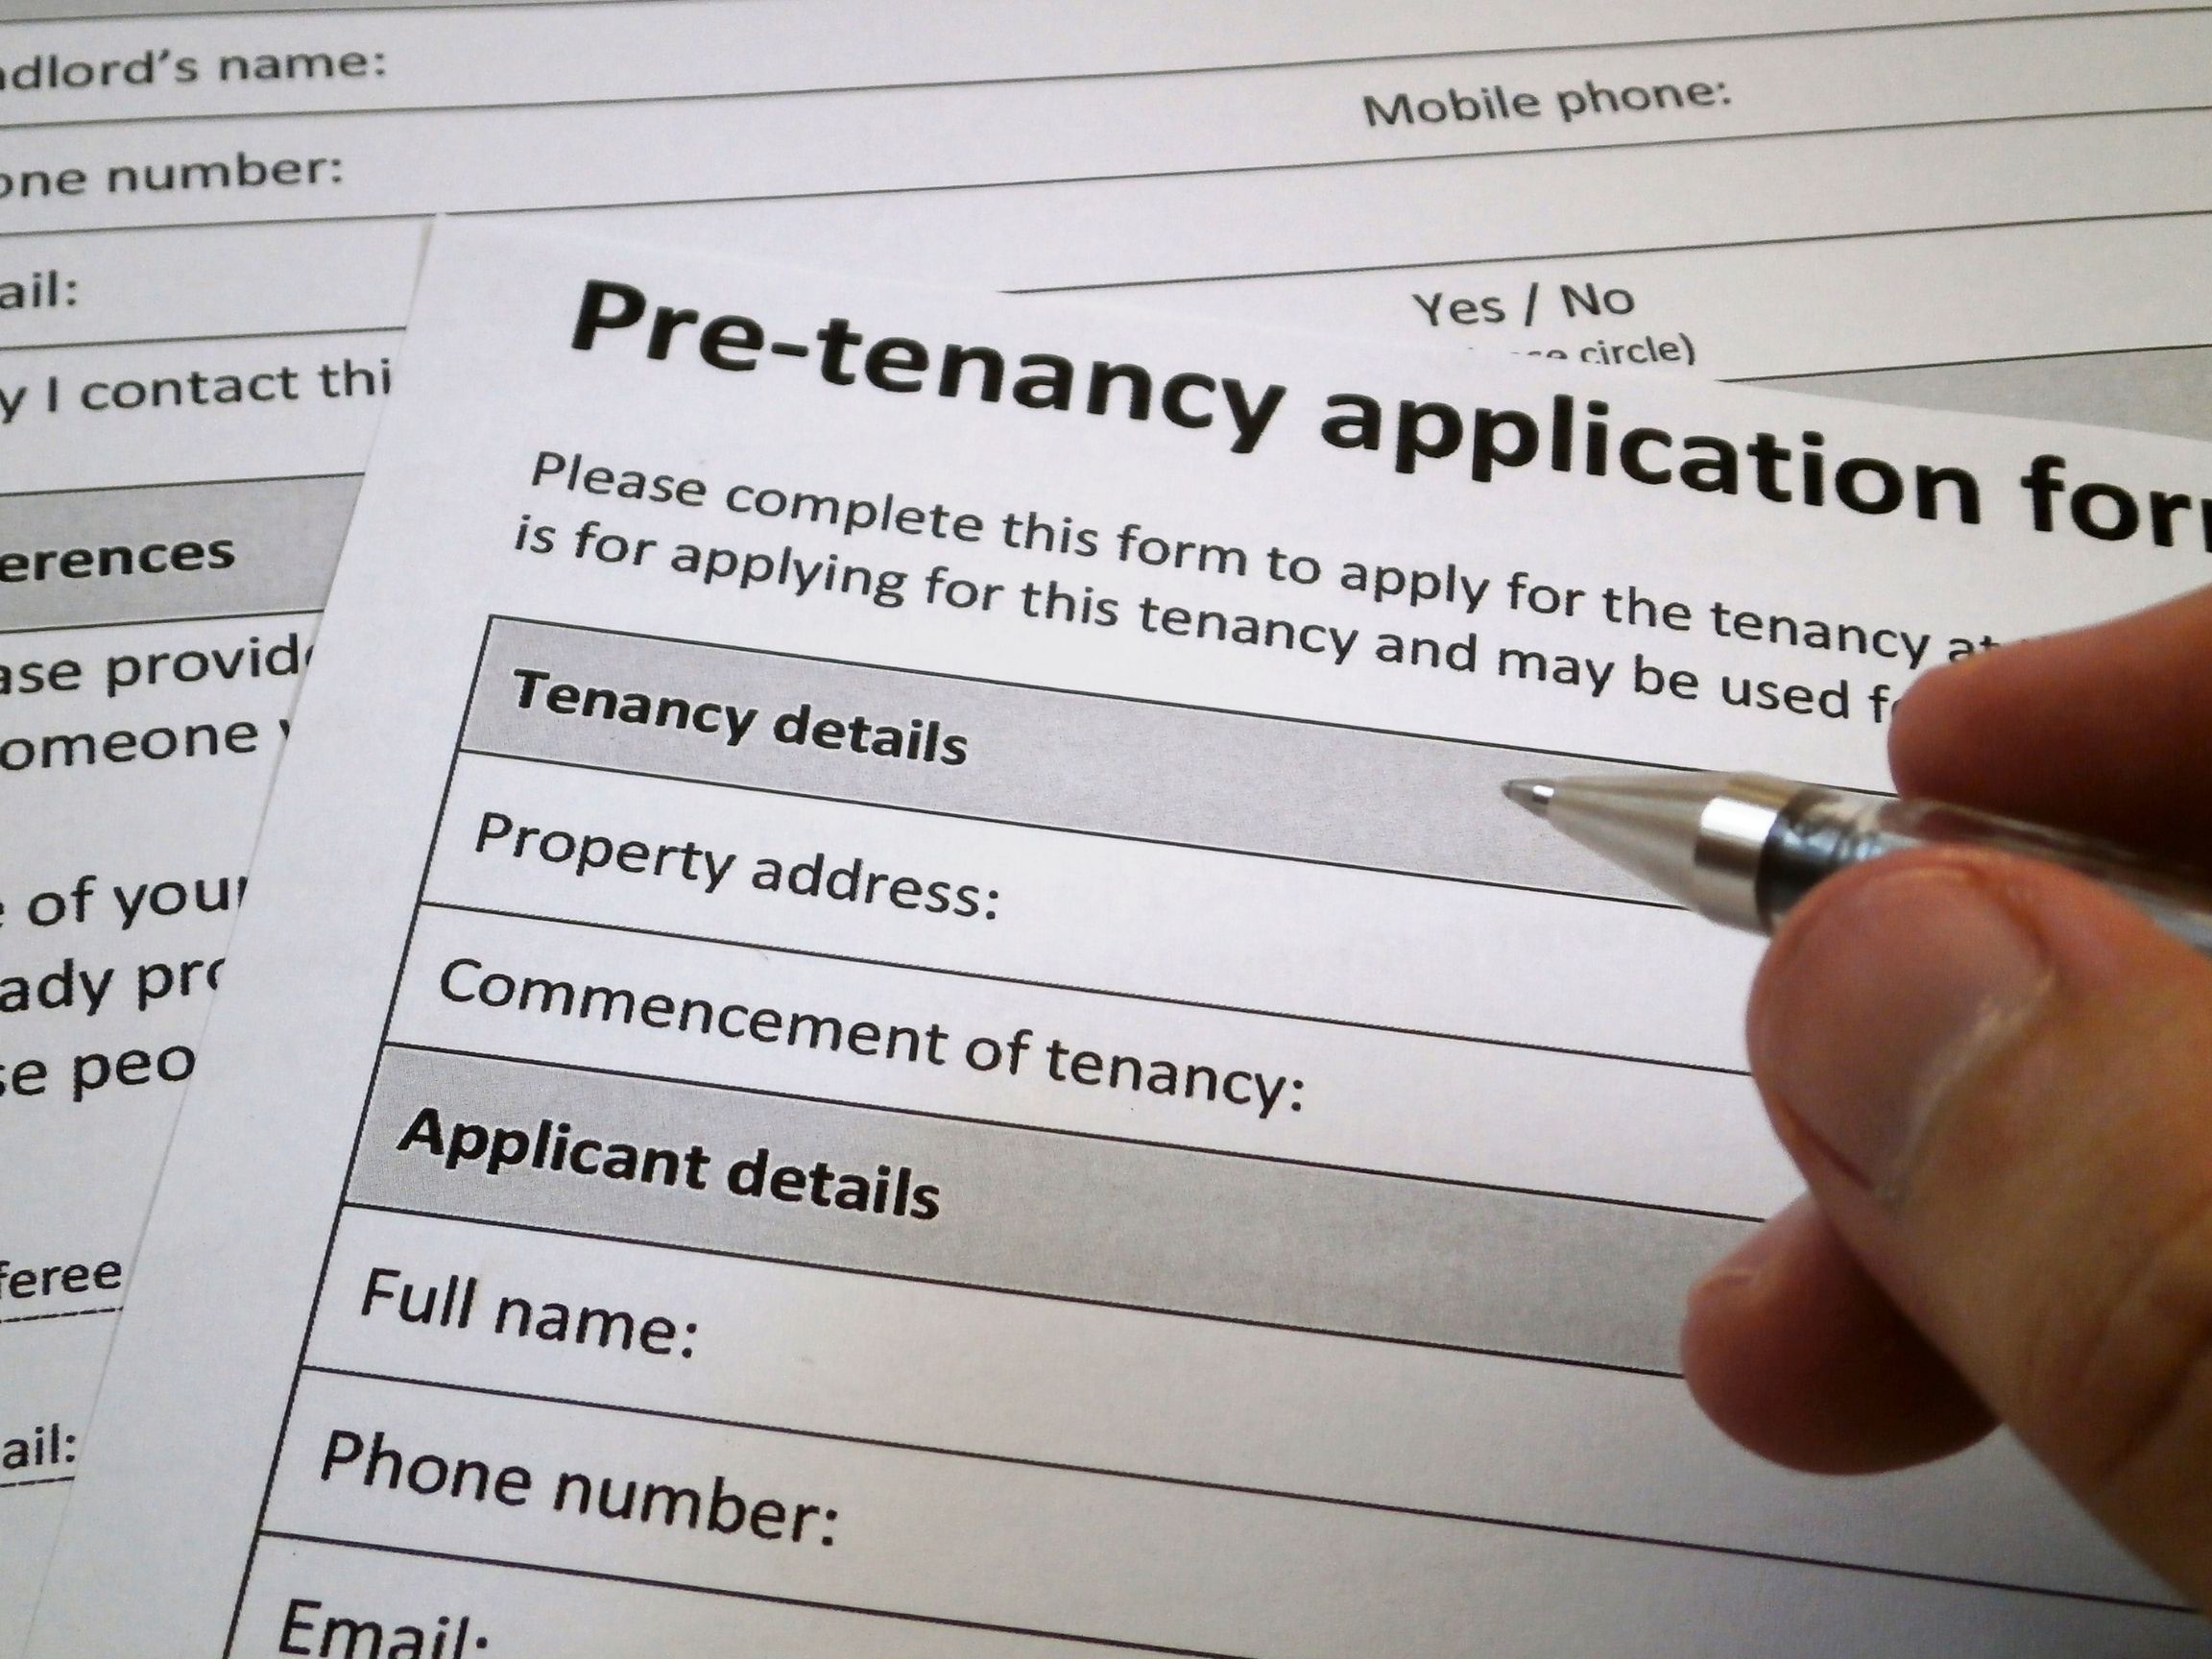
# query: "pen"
[1741,847]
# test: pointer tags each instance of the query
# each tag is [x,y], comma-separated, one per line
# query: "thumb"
[1998,1080]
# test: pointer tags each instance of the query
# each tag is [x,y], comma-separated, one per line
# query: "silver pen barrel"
[1743,849]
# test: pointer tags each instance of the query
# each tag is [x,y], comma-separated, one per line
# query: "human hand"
[1997,1081]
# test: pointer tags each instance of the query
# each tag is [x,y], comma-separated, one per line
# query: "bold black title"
[1575,435]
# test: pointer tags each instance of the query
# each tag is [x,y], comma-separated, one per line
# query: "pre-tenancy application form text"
[889,1006]
[208,229]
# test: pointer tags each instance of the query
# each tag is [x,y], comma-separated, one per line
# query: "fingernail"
[1740,1269]
[1907,983]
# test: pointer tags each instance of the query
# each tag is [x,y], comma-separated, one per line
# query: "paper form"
[1954,197]
[149,670]
[890,1021]
[151,639]
[202,276]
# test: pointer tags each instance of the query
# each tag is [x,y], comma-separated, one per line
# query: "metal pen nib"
[1743,848]
[1534,793]
[1695,836]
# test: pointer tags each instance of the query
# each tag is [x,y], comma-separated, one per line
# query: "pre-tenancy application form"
[889,1006]
[209,230]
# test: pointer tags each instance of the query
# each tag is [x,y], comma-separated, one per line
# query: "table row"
[909,1533]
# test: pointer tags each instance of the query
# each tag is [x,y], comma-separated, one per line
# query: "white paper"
[1360,1338]
[154,638]
[1996,209]
[1992,211]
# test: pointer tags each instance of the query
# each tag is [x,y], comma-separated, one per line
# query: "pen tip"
[1534,793]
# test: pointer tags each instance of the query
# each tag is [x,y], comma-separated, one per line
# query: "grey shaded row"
[84,558]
